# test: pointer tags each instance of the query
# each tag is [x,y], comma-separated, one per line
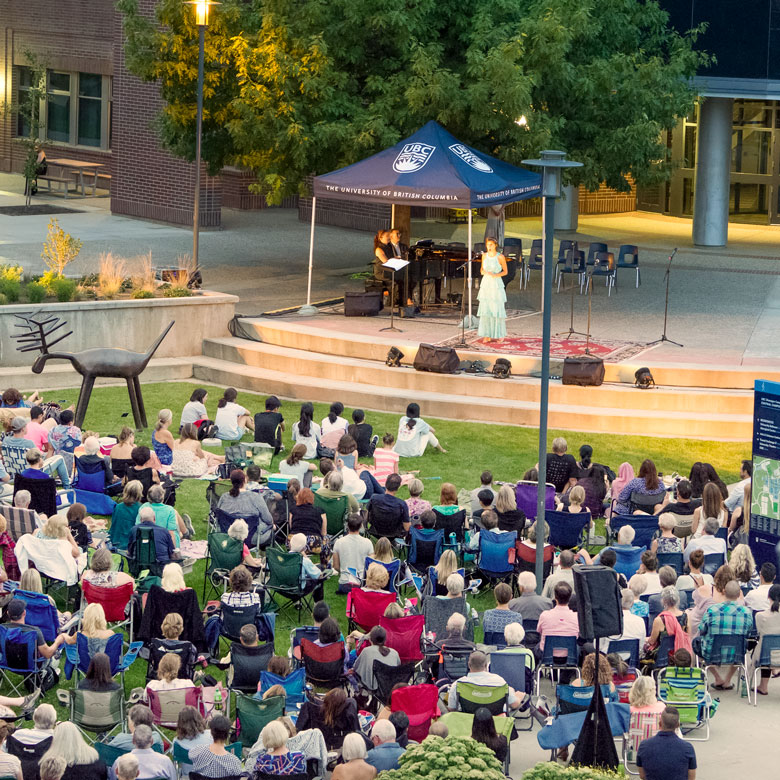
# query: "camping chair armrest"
[71,660]
[68,494]
[74,621]
[130,656]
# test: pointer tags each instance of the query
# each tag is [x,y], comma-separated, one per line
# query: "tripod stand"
[571,332]
[667,276]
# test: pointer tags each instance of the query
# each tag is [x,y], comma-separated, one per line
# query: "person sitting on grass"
[485,484]
[362,433]
[232,420]
[189,458]
[350,552]
[414,434]
[269,425]
[296,466]
[142,469]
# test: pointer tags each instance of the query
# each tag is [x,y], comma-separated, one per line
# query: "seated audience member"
[36,431]
[667,542]
[171,629]
[194,411]
[489,522]
[683,505]
[495,620]
[94,627]
[335,716]
[723,619]
[168,675]
[767,624]
[311,576]
[695,578]
[414,434]
[151,764]
[438,729]
[671,621]
[703,474]
[377,651]
[646,484]
[362,433]
[510,518]
[173,578]
[306,431]
[649,569]
[18,440]
[562,470]
[333,484]
[126,767]
[242,592]
[485,483]
[415,504]
[56,528]
[377,577]
[138,715]
[564,573]
[666,756]
[142,469]
[232,419]
[483,729]
[708,543]
[166,516]
[479,675]
[163,540]
[454,641]
[386,751]
[389,506]
[575,502]
[624,544]
[122,451]
[448,500]
[529,604]
[44,720]
[294,465]
[214,761]
[65,436]
[82,760]
[633,625]
[240,502]
[386,459]
[269,425]
[31,582]
[239,531]
[608,557]
[353,753]
[400,720]
[350,552]
[642,700]
[98,676]
[744,566]
[22,500]
[638,585]
[38,468]
[307,519]
[595,483]
[346,452]
[125,515]
[190,460]
[78,528]
[447,565]
[588,678]
[277,760]
[13,399]
[333,421]
[758,598]
[712,505]
[486,500]
[191,734]
[10,766]
[560,620]
[92,457]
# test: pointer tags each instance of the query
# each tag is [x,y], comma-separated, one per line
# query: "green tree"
[307,86]
[28,109]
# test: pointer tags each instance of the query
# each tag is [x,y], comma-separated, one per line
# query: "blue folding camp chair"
[425,548]
[19,656]
[294,685]
[493,555]
[517,668]
[627,649]
[393,568]
[77,657]
[557,663]
[712,562]
[225,519]
[433,581]
[769,658]
[729,649]
[628,561]
[576,698]
[645,528]
[567,530]
[675,560]
[41,613]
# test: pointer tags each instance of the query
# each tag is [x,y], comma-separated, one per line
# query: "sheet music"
[395,264]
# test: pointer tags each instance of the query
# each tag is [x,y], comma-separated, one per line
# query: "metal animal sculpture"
[36,330]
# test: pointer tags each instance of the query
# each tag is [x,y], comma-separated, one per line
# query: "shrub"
[111,275]
[143,277]
[551,771]
[175,291]
[36,292]
[60,248]
[10,288]
[142,294]
[3,300]
[13,272]
[64,289]
[454,757]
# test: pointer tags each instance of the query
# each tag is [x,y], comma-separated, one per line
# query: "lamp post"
[201,8]
[551,163]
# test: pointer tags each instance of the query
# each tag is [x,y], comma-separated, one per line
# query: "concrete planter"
[129,324]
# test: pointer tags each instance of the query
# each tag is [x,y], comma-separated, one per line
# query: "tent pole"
[308,309]
[392,215]
[469,322]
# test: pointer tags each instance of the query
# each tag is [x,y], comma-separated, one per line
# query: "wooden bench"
[107,181]
[59,180]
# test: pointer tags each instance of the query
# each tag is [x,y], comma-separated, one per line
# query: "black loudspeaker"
[585,370]
[440,360]
[367,304]
[599,601]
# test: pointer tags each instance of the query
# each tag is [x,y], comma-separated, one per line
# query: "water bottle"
[218,701]
[453,539]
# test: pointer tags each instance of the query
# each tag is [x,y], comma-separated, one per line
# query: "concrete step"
[298,362]
[316,338]
[474,405]
[61,374]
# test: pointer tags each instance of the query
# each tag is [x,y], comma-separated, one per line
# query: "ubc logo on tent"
[413,157]
[470,158]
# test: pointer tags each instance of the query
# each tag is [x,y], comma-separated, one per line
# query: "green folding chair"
[686,689]
[336,510]
[145,553]
[254,714]
[99,712]
[472,696]
[459,725]
[223,555]
[284,579]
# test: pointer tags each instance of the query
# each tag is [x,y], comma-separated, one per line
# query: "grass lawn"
[472,447]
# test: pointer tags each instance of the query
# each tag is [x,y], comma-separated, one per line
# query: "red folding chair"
[114,602]
[324,665]
[421,704]
[403,636]
[366,608]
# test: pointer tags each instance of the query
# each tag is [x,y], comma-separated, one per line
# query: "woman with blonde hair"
[124,446]
[416,504]
[277,760]
[168,675]
[645,709]
[94,627]
[125,515]
[173,578]
[448,564]
[377,578]
[55,528]
[510,518]
[189,458]
[82,760]
[383,550]
[162,438]
[744,565]
[32,583]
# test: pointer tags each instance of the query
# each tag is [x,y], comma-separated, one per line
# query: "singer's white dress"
[492,300]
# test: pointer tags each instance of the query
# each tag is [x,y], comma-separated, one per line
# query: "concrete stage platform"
[329,357]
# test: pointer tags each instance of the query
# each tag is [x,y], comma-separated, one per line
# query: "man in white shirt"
[479,675]
[564,573]
[758,599]
[737,494]
[350,552]
[708,543]
[633,625]
[151,764]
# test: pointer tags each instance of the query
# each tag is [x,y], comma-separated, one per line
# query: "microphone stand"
[462,342]
[667,276]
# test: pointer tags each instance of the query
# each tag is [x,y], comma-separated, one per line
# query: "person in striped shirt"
[385,459]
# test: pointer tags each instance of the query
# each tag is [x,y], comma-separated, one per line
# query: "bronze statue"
[91,363]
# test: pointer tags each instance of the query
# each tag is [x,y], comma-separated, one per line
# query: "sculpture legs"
[140,399]
[87,384]
[133,392]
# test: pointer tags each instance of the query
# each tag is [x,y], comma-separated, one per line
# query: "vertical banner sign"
[765,492]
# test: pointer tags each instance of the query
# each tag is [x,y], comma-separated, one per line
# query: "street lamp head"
[552,163]
[202,8]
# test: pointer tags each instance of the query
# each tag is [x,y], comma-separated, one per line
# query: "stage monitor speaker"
[440,360]
[365,304]
[599,601]
[585,370]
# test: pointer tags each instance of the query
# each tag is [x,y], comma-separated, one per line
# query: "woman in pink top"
[416,504]
[385,459]
[645,709]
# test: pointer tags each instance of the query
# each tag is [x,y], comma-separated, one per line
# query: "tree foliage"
[307,86]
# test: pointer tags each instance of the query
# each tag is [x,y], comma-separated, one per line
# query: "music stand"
[571,332]
[394,264]
[663,338]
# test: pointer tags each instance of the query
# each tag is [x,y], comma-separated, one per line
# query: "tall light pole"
[551,163]
[202,8]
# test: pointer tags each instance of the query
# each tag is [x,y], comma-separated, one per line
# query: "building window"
[75,111]
[23,96]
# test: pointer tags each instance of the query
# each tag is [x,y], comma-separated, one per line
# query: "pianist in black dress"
[382,253]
